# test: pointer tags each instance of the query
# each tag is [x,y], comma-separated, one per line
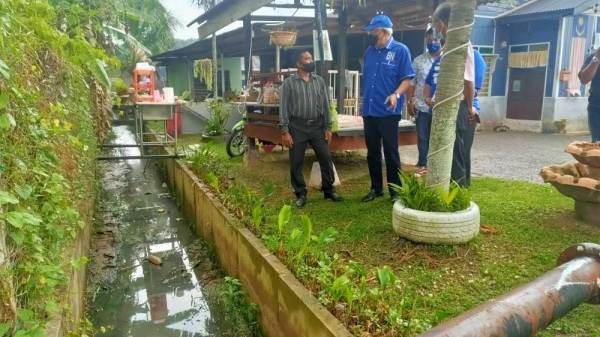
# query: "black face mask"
[373,39]
[308,67]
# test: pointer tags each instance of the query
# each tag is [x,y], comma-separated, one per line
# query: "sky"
[185,12]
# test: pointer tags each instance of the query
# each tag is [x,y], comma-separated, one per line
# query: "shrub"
[415,194]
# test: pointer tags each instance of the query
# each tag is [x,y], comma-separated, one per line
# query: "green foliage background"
[51,95]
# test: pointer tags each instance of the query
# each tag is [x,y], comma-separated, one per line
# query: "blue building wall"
[539,31]
[483,31]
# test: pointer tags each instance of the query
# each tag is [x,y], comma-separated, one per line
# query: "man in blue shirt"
[468,113]
[589,74]
[387,73]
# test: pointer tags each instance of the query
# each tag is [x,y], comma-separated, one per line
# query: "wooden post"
[248,48]
[214,65]
[190,76]
[319,29]
[222,75]
[342,57]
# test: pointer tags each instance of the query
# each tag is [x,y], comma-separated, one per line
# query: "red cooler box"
[171,122]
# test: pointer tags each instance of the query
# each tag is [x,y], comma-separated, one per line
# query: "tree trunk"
[449,94]
[8,306]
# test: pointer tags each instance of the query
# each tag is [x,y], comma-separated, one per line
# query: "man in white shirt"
[416,100]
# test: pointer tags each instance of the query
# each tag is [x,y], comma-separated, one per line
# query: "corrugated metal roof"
[545,6]
[492,9]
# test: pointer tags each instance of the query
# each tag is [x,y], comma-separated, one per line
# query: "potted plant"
[219,115]
[428,215]
[436,210]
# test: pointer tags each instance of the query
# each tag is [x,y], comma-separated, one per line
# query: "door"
[526,93]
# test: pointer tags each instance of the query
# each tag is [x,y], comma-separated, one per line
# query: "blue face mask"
[434,47]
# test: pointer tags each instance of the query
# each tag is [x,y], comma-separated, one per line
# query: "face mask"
[433,47]
[373,38]
[309,67]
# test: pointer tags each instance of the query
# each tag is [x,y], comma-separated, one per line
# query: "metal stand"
[148,112]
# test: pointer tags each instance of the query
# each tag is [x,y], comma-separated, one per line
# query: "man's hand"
[328,135]
[429,101]
[473,116]
[392,101]
[286,140]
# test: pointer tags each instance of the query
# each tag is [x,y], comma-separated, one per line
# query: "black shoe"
[371,196]
[333,196]
[301,201]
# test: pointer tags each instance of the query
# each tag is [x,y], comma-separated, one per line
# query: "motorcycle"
[236,144]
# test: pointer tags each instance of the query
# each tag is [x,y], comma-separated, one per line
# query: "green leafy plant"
[342,289]
[213,181]
[386,277]
[185,95]
[119,87]
[218,117]
[245,315]
[203,70]
[415,194]
[258,215]
[283,219]
[51,113]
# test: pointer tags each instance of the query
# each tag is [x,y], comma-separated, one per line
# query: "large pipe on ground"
[533,306]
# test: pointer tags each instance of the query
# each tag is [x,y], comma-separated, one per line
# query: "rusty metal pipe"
[533,306]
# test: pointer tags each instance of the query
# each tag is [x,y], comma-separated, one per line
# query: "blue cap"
[379,21]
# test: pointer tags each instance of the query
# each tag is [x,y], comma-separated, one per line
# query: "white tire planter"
[436,227]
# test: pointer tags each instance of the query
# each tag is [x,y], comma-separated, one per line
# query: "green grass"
[534,224]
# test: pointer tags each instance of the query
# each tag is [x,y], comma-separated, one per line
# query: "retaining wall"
[287,308]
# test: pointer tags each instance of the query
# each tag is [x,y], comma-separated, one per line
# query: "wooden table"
[263,119]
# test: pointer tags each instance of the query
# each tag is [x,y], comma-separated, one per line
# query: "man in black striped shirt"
[304,119]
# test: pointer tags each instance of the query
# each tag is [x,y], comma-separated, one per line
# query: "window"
[484,50]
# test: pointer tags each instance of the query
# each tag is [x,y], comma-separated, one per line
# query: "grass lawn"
[533,224]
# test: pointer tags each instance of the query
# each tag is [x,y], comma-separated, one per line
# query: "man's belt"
[312,121]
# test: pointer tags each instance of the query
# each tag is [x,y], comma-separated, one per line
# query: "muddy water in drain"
[129,296]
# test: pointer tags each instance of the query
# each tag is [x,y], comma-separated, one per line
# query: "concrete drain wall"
[287,308]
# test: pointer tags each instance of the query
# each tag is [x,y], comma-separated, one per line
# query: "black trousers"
[378,131]
[304,133]
[465,135]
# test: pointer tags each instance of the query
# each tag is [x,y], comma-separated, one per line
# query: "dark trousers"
[378,131]
[465,135]
[304,133]
[423,132]
[594,122]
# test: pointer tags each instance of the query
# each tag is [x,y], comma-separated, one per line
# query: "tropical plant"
[449,93]
[218,118]
[203,70]
[415,194]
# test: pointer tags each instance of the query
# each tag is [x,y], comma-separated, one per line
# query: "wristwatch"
[594,59]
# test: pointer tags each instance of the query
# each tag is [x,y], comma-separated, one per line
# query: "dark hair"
[442,13]
[300,53]
[429,32]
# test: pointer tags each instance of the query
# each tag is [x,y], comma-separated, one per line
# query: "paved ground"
[511,155]
[519,155]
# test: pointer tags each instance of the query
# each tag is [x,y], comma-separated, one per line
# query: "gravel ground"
[519,155]
[511,155]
